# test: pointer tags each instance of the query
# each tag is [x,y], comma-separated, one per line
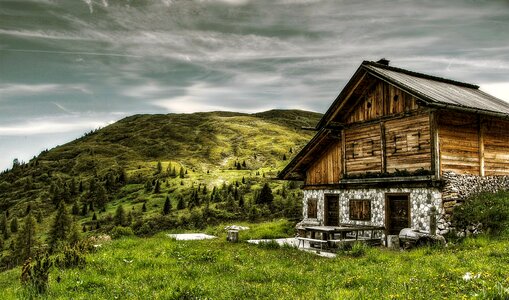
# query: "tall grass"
[162,268]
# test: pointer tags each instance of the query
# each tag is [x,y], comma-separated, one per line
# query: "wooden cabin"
[391,145]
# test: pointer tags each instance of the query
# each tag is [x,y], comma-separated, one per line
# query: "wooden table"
[347,234]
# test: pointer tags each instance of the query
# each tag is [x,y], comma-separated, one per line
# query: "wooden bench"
[309,240]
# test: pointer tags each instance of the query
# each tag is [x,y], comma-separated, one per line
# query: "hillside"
[219,157]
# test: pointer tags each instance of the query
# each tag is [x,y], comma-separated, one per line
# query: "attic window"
[396,98]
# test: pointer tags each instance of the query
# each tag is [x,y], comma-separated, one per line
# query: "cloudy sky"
[67,67]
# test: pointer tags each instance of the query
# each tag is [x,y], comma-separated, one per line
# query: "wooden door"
[331,210]
[397,213]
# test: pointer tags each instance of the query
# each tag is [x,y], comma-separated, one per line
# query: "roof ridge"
[420,75]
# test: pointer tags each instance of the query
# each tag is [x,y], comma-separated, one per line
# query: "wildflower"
[469,276]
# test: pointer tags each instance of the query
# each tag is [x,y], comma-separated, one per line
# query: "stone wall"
[458,187]
[421,201]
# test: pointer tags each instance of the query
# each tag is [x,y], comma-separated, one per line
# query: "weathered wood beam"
[343,154]
[348,96]
[481,144]
[435,144]
[383,147]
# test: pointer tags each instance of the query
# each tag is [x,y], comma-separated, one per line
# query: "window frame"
[363,216]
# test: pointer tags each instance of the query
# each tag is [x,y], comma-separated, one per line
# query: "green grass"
[161,268]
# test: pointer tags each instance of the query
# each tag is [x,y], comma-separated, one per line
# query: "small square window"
[360,210]
[312,208]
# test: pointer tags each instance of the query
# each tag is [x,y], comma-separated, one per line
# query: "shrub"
[486,210]
[71,257]
[35,273]
[119,231]
[358,249]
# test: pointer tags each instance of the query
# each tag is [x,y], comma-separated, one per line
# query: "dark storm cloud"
[75,65]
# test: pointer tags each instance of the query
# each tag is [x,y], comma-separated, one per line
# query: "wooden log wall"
[407,143]
[363,151]
[496,146]
[459,143]
[381,100]
[327,168]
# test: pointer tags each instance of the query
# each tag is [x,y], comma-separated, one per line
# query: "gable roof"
[431,90]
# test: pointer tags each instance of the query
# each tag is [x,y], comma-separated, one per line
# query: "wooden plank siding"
[496,147]
[326,169]
[459,143]
[363,150]
[408,144]
[383,99]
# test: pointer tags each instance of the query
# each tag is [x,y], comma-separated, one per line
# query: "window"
[360,210]
[312,208]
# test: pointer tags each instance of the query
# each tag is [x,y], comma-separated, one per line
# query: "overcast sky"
[67,67]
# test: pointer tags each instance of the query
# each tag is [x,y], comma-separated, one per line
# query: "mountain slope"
[186,155]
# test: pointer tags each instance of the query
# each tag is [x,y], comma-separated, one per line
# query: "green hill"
[212,159]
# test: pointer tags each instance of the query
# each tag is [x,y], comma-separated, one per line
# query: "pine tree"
[120,218]
[284,156]
[241,201]
[237,165]
[204,191]
[75,210]
[84,209]
[14,225]
[94,217]
[102,197]
[243,180]
[80,188]
[244,164]
[144,207]
[167,206]
[159,168]
[265,196]
[74,235]
[25,240]
[3,222]
[129,220]
[59,232]
[122,177]
[157,187]
[181,204]
[72,187]
[181,173]
[236,194]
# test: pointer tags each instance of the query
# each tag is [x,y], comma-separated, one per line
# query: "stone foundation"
[456,188]
[421,201]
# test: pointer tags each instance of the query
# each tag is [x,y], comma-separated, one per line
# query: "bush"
[358,249]
[71,257]
[35,273]
[486,211]
[119,231]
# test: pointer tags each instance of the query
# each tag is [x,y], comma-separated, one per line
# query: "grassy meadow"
[161,268]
